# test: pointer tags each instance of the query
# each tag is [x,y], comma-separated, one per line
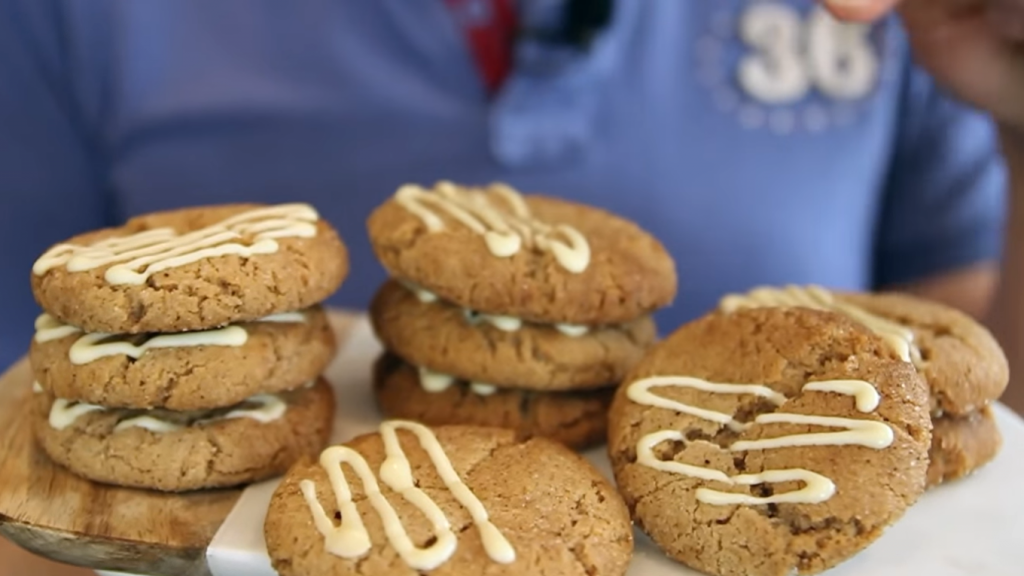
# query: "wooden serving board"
[51,512]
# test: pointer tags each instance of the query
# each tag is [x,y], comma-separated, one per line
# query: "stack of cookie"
[770,441]
[964,366]
[183,350]
[522,312]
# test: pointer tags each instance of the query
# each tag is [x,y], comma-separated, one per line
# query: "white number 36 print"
[789,55]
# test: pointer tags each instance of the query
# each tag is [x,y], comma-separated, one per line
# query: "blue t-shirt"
[759,140]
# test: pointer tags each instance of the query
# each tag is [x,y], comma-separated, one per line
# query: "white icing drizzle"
[503,323]
[133,259]
[482,389]
[864,393]
[92,347]
[285,318]
[350,538]
[37,388]
[505,229]
[64,413]
[816,488]
[269,408]
[49,328]
[899,338]
[572,330]
[154,425]
[423,295]
[437,382]
[640,392]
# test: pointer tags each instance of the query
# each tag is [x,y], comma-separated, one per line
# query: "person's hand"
[974,48]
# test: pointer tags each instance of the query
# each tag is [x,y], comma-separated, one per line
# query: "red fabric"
[490,39]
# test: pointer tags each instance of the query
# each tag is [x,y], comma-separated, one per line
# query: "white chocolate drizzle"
[351,540]
[505,229]
[285,318]
[503,323]
[268,407]
[482,389]
[95,345]
[816,488]
[133,259]
[437,382]
[899,338]
[49,328]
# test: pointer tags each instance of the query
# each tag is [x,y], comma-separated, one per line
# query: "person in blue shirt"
[763,141]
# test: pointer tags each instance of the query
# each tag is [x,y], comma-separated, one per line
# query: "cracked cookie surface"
[224,453]
[206,293]
[783,350]
[569,523]
[275,356]
[577,419]
[630,273]
[439,336]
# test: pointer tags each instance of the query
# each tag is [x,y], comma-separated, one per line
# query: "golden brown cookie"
[499,506]
[716,441]
[192,269]
[179,451]
[533,257]
[186,370]
[577,419]
[961,360]
[962,444]
[453,340]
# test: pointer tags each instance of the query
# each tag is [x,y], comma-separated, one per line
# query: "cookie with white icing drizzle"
[770,441]
[537,258]
[965,367]
[192,269]
[505,351]
[180,451]
[412,500]
[577,419]
[184,370]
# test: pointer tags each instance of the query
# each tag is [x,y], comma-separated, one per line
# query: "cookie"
[769,442]
[533,257]
[962,444]
[576,419]
[186,370]
[179,451]
[503,350]
[452,500]
[192,269]
[961,360]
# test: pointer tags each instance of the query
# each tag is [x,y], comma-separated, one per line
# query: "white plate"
[974,527]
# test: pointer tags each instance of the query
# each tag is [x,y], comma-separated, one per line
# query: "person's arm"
[941,230]
[49,184]
[1007,318]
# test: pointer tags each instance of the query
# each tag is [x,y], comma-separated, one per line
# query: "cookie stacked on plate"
[510,310]
[770,441]
[965,368]
[184,349]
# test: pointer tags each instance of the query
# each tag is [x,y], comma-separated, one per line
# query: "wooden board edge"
[109,554]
